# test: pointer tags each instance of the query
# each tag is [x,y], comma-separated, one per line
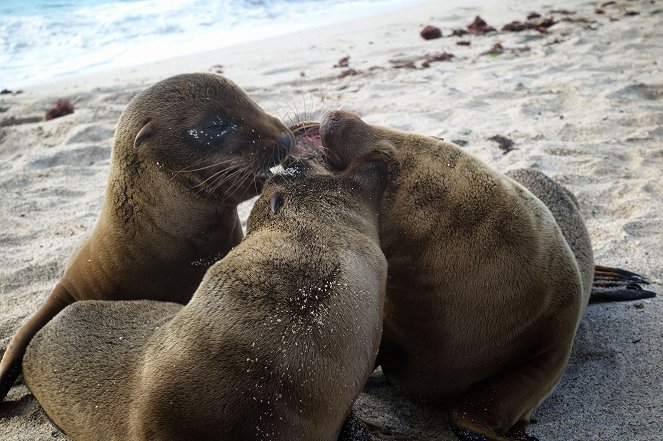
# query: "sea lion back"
[566,211]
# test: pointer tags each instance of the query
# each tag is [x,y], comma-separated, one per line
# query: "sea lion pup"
[275,344]
[186,151]
[486,287]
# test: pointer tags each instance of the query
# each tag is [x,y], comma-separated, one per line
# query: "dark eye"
[220,127]
[275,203]
[213,128]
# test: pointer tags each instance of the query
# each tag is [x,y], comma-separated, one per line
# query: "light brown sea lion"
[187,150]
[487,282]
[275,344]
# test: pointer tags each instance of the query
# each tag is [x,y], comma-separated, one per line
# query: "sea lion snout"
[287,140]
[336,125]
[346,137]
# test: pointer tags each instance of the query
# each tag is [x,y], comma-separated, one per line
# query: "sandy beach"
[582,100]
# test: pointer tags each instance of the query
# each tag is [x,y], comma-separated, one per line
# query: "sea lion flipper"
[354,429]
[10,366]
[616,284]
[609,273]
[498,408]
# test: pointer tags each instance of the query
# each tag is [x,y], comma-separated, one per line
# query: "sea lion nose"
[336,125]
[287,140]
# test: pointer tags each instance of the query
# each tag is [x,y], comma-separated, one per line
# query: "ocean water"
[44,40]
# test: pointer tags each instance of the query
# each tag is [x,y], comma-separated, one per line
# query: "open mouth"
[307,139]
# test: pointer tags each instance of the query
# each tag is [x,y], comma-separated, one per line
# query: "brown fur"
[171,204]
[275,344]
[487,284]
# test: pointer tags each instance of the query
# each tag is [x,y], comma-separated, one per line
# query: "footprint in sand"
[14,121]
[639,91]
[73,157]
[91,133]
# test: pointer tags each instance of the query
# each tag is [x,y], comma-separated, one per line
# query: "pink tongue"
[308,142]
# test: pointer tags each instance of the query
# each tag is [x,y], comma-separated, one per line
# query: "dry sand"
[584,104]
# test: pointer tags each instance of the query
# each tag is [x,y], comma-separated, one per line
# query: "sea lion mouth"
[307,139]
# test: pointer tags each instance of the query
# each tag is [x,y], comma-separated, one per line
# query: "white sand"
[584,104]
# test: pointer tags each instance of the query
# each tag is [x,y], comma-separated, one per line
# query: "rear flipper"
[616,284]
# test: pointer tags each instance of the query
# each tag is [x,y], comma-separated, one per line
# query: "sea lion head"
[308,192]
[339,139]
[204,134]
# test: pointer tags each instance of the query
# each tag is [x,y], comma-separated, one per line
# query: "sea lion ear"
[371,172]
[145,132]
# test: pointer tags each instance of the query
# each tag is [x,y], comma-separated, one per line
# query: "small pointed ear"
[144,133]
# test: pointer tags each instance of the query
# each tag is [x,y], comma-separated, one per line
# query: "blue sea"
[44,40]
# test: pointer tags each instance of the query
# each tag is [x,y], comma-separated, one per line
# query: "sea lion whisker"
[236,183]
[288,114]
[314,113]
[254,183]
[268,161]
[211,185]
[246,177]
[221,179]
[202,183]
[294,112]
[292,100]
[310,110]
[216,164]
[214,175]
[201,161]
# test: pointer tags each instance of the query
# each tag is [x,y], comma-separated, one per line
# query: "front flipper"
[498,408]
[10,366]
[354,429]
[616,284]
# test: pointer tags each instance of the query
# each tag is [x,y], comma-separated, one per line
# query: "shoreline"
[583,103]
[420,13]
[185,33]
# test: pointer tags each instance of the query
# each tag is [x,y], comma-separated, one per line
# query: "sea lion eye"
[220,127]
[213,128]
[275,203]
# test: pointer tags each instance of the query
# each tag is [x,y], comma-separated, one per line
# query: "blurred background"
[44,40]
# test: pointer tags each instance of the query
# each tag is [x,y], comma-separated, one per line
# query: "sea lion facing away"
[187,150]
[487,282]
[275,344]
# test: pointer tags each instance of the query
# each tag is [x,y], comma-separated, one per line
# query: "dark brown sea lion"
[187,150]
[489,276]
[275,344]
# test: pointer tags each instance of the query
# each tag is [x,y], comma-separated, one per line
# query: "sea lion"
[186,151]
[487,282]
[276,343]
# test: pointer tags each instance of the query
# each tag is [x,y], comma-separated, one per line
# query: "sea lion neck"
[159,216]
[159,230]
[158,263]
